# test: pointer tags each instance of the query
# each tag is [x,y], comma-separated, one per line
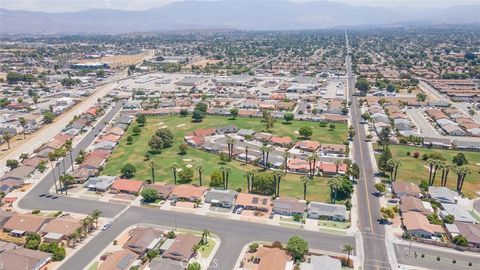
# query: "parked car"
[106,226]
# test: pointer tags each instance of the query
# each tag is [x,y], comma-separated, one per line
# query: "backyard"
[180,126]
[416,169]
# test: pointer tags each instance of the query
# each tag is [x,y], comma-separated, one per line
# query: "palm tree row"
[86,226]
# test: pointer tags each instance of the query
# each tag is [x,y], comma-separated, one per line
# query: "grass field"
[134,153]
[416,170]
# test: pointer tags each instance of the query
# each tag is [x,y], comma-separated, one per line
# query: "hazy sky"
[73,5]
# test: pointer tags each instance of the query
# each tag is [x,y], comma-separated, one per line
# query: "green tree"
[186,175]
[234,112]
[149,194]
[306,132]
[203,107]
[174,168]
[136,130]
[421,97]
[183,112]
[216,179]
[197,116]
[182,149]
[449,219]
[363,85]
[194,266]
[348,249]
[335,184]
[380,187]
[12,163]
[460,159]
[48,117]
[128,170]
[384,158]
[460,240]
[253,247]
[387,213]
[288,117]
[23,124]
[141,119]
[297,247]
[7,136]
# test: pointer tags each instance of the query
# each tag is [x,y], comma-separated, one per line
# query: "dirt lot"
[116,61]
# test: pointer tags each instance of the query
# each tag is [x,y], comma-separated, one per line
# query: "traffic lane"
[406,255]
[234,235]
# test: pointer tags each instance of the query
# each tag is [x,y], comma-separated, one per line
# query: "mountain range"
[242,15]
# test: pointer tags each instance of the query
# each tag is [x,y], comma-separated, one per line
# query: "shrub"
[438,258]
[253,247]
[408,153]
[416,154]
[36,211]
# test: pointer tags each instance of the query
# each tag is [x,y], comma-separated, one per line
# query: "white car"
[106,226]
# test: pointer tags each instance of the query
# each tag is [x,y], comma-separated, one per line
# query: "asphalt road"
[373,233]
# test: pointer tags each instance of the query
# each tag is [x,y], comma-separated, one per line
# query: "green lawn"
[416,170]
[207,248]
[134,153]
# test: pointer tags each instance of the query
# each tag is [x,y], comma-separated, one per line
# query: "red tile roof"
[127,185]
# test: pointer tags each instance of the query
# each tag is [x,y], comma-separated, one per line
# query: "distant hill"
[244,15]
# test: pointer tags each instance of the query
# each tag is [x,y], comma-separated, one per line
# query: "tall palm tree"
[305,181]
[264,150]
[269,150]
[246,154]
[200,171]
[431,162]
[66,180]
[205,235]
[462,172]
[393,164]
[312,162]
[79,232]
[286,155]
[248,175]
[436,165]
[230,143]
[69,147]
[348,249]
[52,157]
[85,222]
[96,214]
[335,183]
[252,180]
[225,174]
[174,168]
[446,168]
[152,167]
[277,175]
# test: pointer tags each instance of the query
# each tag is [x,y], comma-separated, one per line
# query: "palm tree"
[230,143]
[52,157]
[66,180]
[200,171]
[174,168]
[348,249]
[96,214]
[312,162]
[431,162]
[268,151]
[277,175]
[462,172]
[23,124]
[446,167]
[152,167]
[225,174]
[205,235]
[85,222]
[248,175]
[264,150]
[305,181]
[71,237]
[69,147]
[78,232]
[246,154]
[335,183]
[437,164]
[286,155]
[252,180]
[393,164]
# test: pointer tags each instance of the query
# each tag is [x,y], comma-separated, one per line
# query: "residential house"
[298,165]
[24,258]
[119,260]
[221,198]
[409,203]
[322,262]
[127,186]
[417,225]
[331,169]
[272,258]
[204,132]
[442,194]
[333,149]
[21,224]
[470,231]
[466,145]
[289,206]
[227,130]
[18,174]
[460,213]
[401,188]
[60,228]
[281,141]
[92,163]
[263,136]
[436,142]
[163,191]
[143,239]
[182,248]
[245,132]
[319,210]
[100,183]
[187,192]
[253,202]
[309,146]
